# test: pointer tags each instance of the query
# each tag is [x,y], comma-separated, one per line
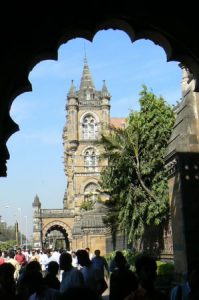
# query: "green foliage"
[128,254]
[7,233]
[135,178]
[165,268]
[5,246]
[87,205]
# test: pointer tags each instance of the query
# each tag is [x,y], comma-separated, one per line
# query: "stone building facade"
[88,115]
[182,163]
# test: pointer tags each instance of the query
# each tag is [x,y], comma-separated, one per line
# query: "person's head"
[120,260]
[97,252]
[7,272]
[19,251]
[83,257]
[65,261]
[33,281]
[118,253]
[146,269]
[53,267]
[11,254]
[73,254]
[33,266]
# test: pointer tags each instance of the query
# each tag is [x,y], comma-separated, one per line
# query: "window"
[89,128]
[90,159]
[90,192]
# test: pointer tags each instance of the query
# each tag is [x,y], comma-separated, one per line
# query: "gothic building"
[38,30]
[88,115]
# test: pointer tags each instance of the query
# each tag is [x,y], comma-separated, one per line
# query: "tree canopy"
[135,177]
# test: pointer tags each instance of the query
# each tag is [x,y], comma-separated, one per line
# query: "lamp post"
[17,233]
[26,220]
[19,210]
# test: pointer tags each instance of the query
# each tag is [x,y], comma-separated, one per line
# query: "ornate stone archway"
[38,30]
[57,224]
[61,227]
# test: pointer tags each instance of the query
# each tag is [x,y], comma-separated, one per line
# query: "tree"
[135,177]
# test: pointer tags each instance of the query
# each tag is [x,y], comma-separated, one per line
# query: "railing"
[56,213]
[90,102]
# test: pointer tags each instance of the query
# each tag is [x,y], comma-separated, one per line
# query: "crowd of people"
[74,275]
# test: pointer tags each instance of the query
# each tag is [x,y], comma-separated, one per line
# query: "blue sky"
[36,151]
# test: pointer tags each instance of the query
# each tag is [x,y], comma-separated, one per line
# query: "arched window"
[90,159]
[89,128]
[90,192]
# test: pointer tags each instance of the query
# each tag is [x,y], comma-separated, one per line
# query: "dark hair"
[65,260]
[83,257]
[143,261]
[97,252]
[53,267]
[33,266]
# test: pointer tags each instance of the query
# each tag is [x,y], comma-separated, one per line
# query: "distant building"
[88,115]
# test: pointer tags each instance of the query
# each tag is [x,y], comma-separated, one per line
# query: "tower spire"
[105,92]
[86,80]
[72,91]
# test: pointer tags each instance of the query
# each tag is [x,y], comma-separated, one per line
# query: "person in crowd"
[6,255]
[44,261]
[100,262]
[74,259]
[29,255]
[7,282]
[55,256]
[92,276]
[37,290]
[34,256]
[122,280]
[15,264]
[22,289]
[89,253]
[50,278]
[20,258]
[71,277]
[190,289]
[146,269]
[113,265]
[1,258]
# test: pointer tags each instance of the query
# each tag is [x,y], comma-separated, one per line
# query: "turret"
[105,104]
[37,224]
[72,116]
[186,79]
[87,87]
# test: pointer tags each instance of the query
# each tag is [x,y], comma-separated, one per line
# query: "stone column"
[184,198]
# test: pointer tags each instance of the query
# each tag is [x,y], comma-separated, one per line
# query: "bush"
[165,268]
[128,254]
[5,246]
